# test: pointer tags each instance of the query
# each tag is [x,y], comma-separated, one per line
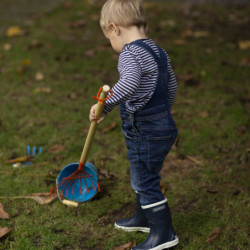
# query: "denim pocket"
[158,148]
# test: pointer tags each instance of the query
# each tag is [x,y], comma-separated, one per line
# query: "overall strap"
[160,60]
[160,97]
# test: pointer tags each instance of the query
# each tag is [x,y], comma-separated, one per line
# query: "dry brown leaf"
[195,160]
[109,127]
[188,101]
[198,34]
[7,46]
[72,96]
[189,79]
[204,114]
[244,44]
[39,76]
[67,4]
[4,231]
[179,42]
[57,148]
[104,174]
[126,246]
[35,44]
[89,53]
[185,33]
[214,235]
[165,23]
[163,188]
[41,198]
[3,214]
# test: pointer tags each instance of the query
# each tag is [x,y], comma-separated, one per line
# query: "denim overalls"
[149,135]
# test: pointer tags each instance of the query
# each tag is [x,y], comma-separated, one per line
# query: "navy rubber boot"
[138,222]
[162,234]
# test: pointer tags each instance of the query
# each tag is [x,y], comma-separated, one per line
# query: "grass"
[211,111]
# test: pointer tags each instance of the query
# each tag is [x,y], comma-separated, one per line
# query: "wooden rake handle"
[92,129]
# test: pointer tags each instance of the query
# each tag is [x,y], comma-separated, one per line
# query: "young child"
[145,92]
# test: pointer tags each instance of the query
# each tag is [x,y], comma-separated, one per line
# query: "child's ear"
[115,28]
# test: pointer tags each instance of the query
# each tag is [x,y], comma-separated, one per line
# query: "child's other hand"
[92,115]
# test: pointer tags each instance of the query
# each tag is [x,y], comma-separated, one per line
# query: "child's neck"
[132,33]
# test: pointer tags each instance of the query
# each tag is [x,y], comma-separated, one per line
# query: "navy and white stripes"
[138,77]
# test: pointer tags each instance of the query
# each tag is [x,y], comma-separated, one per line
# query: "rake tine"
[86,184]
[73,188]
[81,186]
[99,189]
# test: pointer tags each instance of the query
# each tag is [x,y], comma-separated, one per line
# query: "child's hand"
[92,115]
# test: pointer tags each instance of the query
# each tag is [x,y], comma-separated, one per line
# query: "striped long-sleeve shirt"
[138,77]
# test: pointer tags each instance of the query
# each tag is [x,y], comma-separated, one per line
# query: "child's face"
[115,39]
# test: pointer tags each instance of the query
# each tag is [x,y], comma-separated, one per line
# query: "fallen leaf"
[67,5]
[14,31]
[244,44]
[245,62]
[179,42]
[95,17]
[7,46]
[185,33]
[42,90]
[109,127]
[3,214]
[214,235]
[26,62]
[188,101]
[22,69]
[4,231]
[165,23]
[35,44]
[39,76]
[163,188]
[104,174]
[242,130]
[204,114]
[89,53]
[57,148]
[72,96]
[189,79]
[52,174]
[195,160]
[126,246]
[41,198]
[199,34]
[78,24]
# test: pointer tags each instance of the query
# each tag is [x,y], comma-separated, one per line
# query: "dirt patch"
[180,165]
[125,212]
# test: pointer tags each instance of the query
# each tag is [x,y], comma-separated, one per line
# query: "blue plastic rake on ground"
[79,181]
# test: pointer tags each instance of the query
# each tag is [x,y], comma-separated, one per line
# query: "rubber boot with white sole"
[162,234]
[138,222]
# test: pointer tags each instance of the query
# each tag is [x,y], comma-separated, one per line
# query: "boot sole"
[167,245]
[133,229]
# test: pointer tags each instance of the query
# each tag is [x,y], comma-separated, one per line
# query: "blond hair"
[124,13]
